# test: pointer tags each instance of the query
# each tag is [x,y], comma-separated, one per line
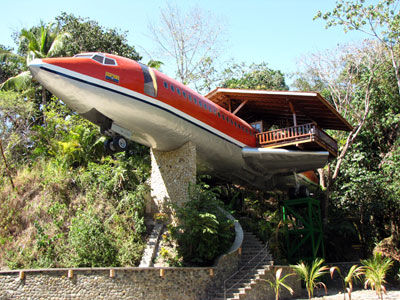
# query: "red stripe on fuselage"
[131,77]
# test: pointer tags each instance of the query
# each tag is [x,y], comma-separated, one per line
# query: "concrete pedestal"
[171,173]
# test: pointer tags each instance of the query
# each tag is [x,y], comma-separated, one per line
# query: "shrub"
[310,274]
[375,272]
[91,244]
[203,232]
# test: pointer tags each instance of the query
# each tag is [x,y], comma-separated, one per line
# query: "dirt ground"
[392,294]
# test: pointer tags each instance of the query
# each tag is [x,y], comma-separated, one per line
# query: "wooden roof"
[272,106]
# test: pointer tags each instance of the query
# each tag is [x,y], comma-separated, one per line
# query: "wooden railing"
[301,133]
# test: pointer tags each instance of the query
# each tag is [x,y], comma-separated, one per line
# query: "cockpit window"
[110,61]
[99,57]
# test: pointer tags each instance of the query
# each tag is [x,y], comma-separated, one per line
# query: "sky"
[278,32]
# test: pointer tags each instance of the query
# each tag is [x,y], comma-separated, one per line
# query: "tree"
[188,38]
[255,76]
[380,21]
[45,41]
[375,272]
[310,274]
[279,282]
[346,76]
[360,83]
[10,63]
[88,36]
[354,273]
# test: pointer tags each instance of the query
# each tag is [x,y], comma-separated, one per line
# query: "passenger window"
[195,100]
[190,98]
[165,84]
[178,91]
[172,88]
[184,94]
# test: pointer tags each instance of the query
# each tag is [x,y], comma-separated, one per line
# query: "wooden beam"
[240,106]
[294,113]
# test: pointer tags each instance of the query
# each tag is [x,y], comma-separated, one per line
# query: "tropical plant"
[355,272]
[279,282]
[203,230]
[311,274]
[45,41]
[375,272]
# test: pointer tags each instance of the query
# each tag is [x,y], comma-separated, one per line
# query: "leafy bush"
[91,244]
[203,232]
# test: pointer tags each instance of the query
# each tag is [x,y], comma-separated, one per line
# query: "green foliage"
[380,19]
[375,272]
[255,76]
[279,282]
[88,36]
[310,274]
[203,232]
[91,243]
[354,273]
[11,64]
[47,41]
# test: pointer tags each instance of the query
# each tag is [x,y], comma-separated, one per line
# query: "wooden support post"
[211,272]
[240,251]
[21,275]
[70,274]
[112,273]
[162,272]
[294,113]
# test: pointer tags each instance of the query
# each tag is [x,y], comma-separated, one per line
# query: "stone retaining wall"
[127,283]
[121,283]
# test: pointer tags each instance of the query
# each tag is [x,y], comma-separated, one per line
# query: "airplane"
[131,101]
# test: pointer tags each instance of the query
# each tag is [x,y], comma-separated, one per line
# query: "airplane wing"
[271,161]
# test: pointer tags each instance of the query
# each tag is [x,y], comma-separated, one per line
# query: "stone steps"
[252,265]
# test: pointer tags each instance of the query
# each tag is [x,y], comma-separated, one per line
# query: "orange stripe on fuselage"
[131,77]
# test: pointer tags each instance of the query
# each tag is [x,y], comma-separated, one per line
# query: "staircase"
[254,259]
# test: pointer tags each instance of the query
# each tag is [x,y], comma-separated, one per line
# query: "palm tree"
[375,272]
[47,42]
[310,274]
[279,282]
[355,272]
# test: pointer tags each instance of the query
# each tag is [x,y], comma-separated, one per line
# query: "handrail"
[264,249]
[293,133]
[285,133]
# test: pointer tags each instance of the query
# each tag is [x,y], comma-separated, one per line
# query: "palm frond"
[19,82]
[58,44]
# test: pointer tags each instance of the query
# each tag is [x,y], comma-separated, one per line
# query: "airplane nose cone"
[34,66]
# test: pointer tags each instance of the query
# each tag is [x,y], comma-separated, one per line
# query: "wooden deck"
[306,136]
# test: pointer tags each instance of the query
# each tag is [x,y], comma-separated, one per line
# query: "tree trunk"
[5,164]
[44,104]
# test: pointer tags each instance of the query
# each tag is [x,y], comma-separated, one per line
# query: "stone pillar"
[171,173]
